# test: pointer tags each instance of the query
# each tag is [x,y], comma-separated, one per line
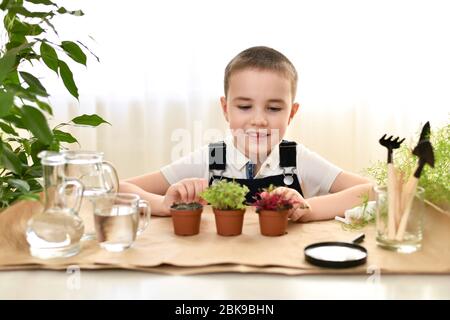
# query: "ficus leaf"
[64,136]
[6,64]
[8,129]
[34,83]
[67,78]
[44,106]
[49,56]
[10,160]
[92,120]
[46,2]
[74,51]
[6,102]
[35,121]
[19,184]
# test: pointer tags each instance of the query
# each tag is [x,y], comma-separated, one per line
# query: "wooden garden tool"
[424,150]
[392,189]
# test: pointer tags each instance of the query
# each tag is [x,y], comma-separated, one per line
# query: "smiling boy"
[260,85]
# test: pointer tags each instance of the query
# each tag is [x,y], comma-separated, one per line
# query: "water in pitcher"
[117,227]
[55,232]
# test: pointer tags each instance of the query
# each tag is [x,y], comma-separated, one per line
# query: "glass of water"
[119,218]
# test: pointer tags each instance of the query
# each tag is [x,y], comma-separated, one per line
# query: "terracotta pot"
[229,222]
[186,222]
[273,223]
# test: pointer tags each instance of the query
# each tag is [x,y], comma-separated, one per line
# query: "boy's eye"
[274,108]
[244,107]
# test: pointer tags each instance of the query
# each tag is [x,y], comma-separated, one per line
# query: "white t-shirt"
[315,174]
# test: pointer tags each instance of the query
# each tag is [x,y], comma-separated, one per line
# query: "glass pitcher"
[57,230]
[98,177]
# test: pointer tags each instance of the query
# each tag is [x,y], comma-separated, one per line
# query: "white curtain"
[365,68]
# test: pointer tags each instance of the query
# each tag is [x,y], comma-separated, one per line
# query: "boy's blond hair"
[262,58]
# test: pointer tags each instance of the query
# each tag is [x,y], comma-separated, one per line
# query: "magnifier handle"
[359,238]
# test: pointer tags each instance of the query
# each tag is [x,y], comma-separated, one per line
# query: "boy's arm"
[345,193]
[150,187]
[328,206]
[346,180]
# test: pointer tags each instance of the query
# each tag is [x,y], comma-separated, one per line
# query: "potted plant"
[272,209]
[186,218]
[227,199]
[31,39]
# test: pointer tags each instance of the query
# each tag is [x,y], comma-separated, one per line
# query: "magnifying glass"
[337,254]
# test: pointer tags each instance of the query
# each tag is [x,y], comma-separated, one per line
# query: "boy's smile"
[258,108]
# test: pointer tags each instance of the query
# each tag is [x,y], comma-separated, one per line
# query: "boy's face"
[258,108]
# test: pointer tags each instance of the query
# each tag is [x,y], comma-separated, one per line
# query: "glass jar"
[401,232]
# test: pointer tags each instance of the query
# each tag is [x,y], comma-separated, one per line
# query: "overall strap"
[288,154]
[217,156]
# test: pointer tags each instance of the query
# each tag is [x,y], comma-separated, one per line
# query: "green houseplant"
[227,199]
[24,104]
[435,181]
[186,218]
[272,209]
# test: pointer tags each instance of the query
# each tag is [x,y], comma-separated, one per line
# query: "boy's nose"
[259,120]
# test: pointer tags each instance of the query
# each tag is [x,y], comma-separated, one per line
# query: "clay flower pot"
[273,223]
[186,220]
[229,222]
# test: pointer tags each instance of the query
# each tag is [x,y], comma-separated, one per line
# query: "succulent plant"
[226,195]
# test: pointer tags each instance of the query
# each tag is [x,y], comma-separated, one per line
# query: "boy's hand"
[301,206]
[186,190]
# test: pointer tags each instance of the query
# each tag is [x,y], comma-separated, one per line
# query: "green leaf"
[29,196]
[6,64]
[8,129]
[24,12]
[37,147]
[64,136]
[26,146]
[54,146]
[17,121]
[34,171]
[6,102]
[35,121]
[34,83]
[92,120]
[24,28]
[74,51]
[12,78]
[78,13]
[22,185]
[46,2]
[67,78]
[44,106]
[9,159]
[49,56]
[21,92]
[4,4]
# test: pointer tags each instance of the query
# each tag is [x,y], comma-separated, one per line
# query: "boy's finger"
[280,190]
[181,190]
[296,215]
[198,186]
[204,186]
[190,188]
